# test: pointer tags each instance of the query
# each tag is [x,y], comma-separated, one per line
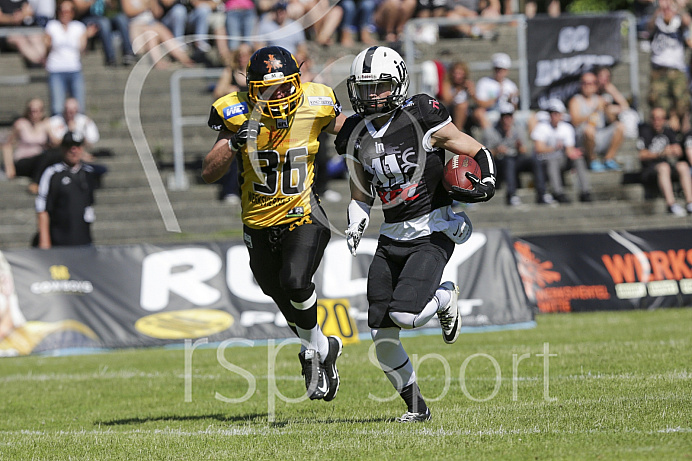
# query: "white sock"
[314,339]
[393,358]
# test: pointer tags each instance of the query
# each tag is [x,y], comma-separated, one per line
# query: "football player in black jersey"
[273,128]
[395,147]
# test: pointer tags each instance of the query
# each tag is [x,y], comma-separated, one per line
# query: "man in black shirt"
[65,200]
[395,148]
[663,160]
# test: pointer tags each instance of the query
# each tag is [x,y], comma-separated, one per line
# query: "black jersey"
[403,168]
[655,142]
[68,197]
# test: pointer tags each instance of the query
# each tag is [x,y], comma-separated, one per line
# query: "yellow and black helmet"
[274,69]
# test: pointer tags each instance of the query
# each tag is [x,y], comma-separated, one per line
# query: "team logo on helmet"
[273,64]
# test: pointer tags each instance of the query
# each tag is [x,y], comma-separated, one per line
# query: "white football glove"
[358,220]
[459,227]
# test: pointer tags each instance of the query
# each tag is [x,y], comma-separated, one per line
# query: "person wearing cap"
[64,205]
[493,91]
[554,146]
[508,146]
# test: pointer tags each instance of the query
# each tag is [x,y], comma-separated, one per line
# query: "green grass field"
[619,386]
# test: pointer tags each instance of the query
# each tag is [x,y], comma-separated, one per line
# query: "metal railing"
[179,180]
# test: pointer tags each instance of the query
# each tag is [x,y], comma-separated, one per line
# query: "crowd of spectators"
[582,135]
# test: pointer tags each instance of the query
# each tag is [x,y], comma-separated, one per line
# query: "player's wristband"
[486,164]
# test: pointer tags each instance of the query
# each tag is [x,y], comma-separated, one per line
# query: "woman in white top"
[65,40]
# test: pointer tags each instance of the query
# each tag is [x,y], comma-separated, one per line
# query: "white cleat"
[448,315]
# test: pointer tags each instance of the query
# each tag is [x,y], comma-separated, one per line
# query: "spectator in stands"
[643,9]
[614,99]
[327,21]
[391,16]
[64,205]
[358,21]
[72,119]
[30,46]
[471,9]
[458,89]
[508,147]
[668,28]
[663,161]
[551,7]
[241,20]
[65,40]
[233,76]
[179,16]
[495,90]
[44,11]
[26,143]
[147,33]
[554,146]
[217,27]
[93,14]
[276,29]
[588,113]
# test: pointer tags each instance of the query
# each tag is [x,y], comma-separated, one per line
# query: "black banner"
[561,49]
[144,295]
[617,270]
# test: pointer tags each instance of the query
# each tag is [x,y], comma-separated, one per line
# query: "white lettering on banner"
[185,271]
[239,277]
[182,272]
[552,70]
[573,39]
[337,276]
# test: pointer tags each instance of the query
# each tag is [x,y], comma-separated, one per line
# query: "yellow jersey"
[277,170]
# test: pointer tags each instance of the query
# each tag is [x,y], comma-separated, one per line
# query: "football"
[455,172]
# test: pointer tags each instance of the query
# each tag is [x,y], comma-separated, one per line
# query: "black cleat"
[410,417]
[316,382]
[329,365]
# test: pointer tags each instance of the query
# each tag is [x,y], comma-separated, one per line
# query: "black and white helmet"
[374,71]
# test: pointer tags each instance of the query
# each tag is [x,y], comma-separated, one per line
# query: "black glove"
[481,192]
[248,130]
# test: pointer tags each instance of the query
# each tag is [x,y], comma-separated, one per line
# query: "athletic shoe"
[597,166]
[316,382]
[514,200]
[410,417]
[562,198]
[688,207]
[677,210]
[448,315]
[545,199]
[585,197]
[612,165]
[335,347]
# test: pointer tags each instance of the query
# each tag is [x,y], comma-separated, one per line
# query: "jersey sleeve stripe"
[426,137]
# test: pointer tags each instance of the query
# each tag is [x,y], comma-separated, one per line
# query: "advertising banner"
[561,49]
[617,270]
[145,295]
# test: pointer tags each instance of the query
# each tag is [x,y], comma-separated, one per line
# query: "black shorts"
[284,259]
[404,275]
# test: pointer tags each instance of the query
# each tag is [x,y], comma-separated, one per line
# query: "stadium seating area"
[127,212]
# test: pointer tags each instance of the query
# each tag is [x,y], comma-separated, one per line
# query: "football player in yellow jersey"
[273,128]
